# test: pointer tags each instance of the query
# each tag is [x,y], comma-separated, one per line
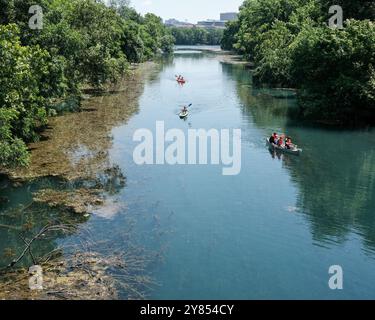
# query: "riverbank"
[74,145]
[72,158]
[331,67]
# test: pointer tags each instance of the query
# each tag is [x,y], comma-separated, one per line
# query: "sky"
[190,10]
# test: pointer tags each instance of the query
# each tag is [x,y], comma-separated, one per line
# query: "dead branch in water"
[43,231]
[9,227]
[30,251]
[84,269]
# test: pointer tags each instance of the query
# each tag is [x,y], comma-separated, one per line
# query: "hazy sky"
[191,10]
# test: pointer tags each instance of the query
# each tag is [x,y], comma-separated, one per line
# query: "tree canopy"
[82,43]
[291,44]
[195,36]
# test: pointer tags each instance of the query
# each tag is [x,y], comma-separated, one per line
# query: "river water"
[271,232]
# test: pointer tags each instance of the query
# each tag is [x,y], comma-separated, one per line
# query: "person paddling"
[185,110]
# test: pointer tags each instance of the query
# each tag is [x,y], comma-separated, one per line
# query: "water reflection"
[336,172]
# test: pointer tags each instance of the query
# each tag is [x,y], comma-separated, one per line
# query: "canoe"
[181,81]
[273,146]
[183,114]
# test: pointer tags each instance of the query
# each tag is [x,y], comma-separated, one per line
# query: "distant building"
[211,24]
[178,24]
[228,16]
[208,24]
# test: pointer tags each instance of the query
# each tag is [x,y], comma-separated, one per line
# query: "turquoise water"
[271,232]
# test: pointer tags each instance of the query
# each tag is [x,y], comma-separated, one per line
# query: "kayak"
[183,114]
[273,146]
[181,81]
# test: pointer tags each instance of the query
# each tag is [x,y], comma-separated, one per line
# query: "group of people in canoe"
[282,141]
[180,79]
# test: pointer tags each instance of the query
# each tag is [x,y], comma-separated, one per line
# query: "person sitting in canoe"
[280,142]
[288,143]
[273,138]
[277,138]
[184,109]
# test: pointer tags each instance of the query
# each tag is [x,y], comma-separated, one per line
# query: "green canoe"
[273,146]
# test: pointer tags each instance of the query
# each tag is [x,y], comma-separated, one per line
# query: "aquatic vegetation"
[78,201]
[77,272]
[70,176]
[82,276]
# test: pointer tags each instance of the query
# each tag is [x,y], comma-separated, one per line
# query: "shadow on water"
[336,172]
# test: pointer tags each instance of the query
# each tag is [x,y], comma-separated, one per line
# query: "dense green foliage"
[230,35]
[292,45]
[195,36]
[82,42]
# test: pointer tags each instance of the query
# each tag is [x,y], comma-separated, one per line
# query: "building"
[211,24]
[208,24]
[178,24]
[228,16]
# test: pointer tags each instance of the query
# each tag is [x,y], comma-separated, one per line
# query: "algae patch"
[79,201]
[83,275]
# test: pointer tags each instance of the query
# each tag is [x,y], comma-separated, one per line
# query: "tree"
[335,70]
[27,81]
[83,42]
[195,36]
[291,44]
[230,34]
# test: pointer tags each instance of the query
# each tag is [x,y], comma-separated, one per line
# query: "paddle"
[186,107]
